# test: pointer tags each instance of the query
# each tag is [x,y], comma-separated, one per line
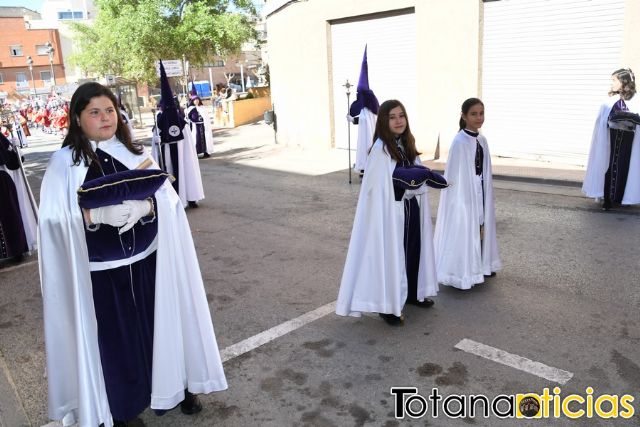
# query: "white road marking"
[262,338]
[513,360]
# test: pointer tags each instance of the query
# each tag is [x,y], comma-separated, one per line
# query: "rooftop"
[17,12]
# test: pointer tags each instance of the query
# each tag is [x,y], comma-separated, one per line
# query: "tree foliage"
[128,36]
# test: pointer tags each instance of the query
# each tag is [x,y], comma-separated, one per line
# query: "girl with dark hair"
[613,170]
[465,236]
[200,125]
[127,324]
[390,260]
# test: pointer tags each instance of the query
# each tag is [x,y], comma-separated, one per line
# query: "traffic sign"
[173,67]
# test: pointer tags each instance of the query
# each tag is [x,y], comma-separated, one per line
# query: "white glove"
[139,209]
[114,215]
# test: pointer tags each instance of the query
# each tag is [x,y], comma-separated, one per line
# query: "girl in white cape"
[390,260]
[126,319]
[200,125]
[465,236]
[613,170]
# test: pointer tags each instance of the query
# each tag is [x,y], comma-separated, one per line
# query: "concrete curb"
[530,179]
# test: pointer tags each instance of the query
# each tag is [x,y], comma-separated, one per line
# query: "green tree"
[128,36]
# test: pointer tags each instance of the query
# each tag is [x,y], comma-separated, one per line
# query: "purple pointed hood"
[194,91]
[365,98]
[193,95]
[170,123]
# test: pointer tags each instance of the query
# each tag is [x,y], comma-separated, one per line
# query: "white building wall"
[447,44]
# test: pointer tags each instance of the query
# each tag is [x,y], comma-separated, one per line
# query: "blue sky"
[31,4]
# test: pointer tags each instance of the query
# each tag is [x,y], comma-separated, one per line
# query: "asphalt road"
[272,245]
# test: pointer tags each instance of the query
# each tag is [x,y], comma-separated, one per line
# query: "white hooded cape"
[208,132]
[461,262]
[375,278]
[600,151]
[185,352]
[190,180]
[27,213]
[366,129]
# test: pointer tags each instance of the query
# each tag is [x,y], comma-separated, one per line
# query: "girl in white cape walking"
[390,259]
[465,236]
[126,319]
[613,171]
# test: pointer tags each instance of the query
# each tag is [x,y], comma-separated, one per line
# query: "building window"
[21,80]
[69,15]
[41,49]
[1,79]
[16,50]
[218,63]
[45,76]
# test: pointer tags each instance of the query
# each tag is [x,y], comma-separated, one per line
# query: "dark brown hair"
[466,106]
[628,80]
[76,138]
[386,135]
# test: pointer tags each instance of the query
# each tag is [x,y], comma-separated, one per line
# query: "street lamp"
[348,87]
[30,64]
[50,51]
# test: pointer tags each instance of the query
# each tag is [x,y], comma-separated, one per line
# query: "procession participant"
[126,319]
[177,154]
[125,117]
[363,113]
[200,124]
[465,236]
[18,212]
[613,170]
[390,259]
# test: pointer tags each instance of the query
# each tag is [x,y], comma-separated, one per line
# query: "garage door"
[546,70]
[391,52]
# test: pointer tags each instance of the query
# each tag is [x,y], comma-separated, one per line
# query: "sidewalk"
[254,145]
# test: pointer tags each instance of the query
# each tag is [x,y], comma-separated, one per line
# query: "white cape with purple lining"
[208,131]
[600,151]
[375,278]
[27,213]
[190,181]
[462,259]
[185,352]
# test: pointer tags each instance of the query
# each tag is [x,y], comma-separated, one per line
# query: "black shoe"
[493,274]
[193,205]
[191,404]
[606,205]
[423,304]
[206,156]
[392,319]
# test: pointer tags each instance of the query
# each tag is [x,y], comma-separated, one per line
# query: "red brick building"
[20,45]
